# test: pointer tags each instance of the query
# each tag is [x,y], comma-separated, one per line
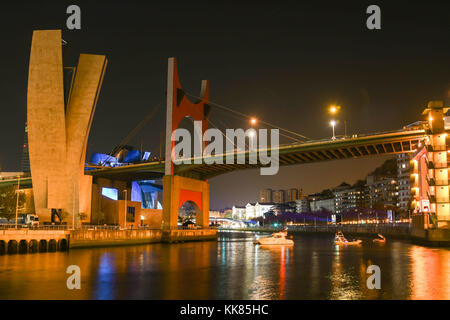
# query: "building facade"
[404,181]
[25,154]
[278,196]
[382,191]
[318,202]
[251,211]
[302,205]
[348,197]
[265,195]
[429,177]
[292,195]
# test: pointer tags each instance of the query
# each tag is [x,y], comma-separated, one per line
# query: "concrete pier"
[431,237]
[31,241]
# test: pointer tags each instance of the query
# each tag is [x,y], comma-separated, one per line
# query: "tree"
[387,169]
[63,215]
[101,217]
[82,216]
[8,202]
[269,214]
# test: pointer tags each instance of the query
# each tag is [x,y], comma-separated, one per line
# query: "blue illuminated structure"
[148,192]
[110,193]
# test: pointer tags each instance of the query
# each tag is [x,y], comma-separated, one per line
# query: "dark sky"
[283,62]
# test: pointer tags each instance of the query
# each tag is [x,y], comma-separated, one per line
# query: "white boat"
[339,239]
[277,238]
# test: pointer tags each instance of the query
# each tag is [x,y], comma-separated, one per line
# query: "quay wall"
[189,235]
[102,238]
[32,241]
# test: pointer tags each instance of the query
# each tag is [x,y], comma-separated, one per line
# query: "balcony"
[431,148]
[433,182]
[442,200]
[440,165]
[430,164]
[431,197]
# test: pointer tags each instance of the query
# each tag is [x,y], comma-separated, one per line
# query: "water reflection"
[105,276]
[430,273]
[232,268]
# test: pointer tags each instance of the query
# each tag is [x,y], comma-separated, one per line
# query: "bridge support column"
[178,190]
[57,143]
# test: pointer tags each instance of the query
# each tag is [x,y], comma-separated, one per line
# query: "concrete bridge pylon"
[60,110]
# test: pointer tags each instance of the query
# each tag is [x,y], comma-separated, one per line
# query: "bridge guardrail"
[337,138]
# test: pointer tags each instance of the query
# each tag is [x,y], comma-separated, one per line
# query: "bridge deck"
[385,143]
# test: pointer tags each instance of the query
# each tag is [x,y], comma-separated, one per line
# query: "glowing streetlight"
[253,121]
[333,109]
[333,124]
[252,139]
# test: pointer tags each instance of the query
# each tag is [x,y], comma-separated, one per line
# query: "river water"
[232,268]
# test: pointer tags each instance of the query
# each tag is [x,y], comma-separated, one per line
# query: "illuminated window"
[110,193]
[130,214]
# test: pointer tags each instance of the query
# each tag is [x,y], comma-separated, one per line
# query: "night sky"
[283,62]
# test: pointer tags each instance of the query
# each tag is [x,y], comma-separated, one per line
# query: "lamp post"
[125,223]
[333,124]
[333,110]
[73,207]
[17,201]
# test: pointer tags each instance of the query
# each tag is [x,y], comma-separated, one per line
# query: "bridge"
[383,143]
[58,149]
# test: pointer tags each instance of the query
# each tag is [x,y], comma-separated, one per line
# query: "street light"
[333,124]
[125,224]
[253,121]
[334,109]
[17,201]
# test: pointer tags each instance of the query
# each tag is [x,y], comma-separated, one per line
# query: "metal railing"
[281,146]
[190,228]
[69,227]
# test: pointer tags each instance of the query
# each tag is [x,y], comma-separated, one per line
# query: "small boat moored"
[380,239]
[277,238]
[339,239]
